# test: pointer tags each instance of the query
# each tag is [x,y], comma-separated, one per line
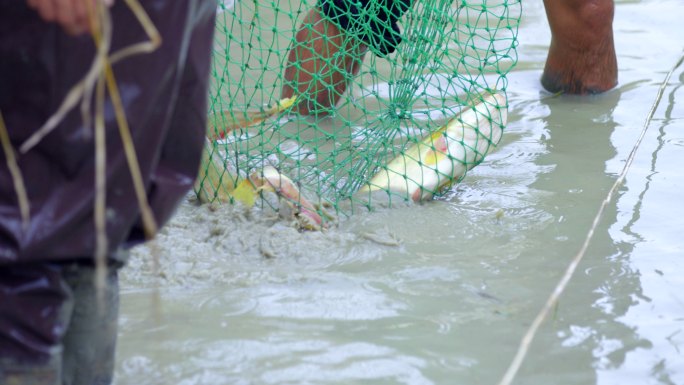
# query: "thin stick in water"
[101,241]
[562,284]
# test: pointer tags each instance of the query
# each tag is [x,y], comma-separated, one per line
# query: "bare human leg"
[581,57]
[320,65]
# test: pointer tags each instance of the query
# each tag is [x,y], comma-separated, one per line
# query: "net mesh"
[309,102]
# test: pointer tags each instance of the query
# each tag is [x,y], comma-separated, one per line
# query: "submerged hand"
[72,15]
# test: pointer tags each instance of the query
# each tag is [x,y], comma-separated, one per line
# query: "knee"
[588,18]
[597,15]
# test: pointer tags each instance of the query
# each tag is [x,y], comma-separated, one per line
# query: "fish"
[446,155]
[218,183]
[306,213]
[418,173]
[216,180]
[224,122]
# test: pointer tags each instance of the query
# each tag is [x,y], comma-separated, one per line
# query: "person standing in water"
[52,328]
[581,58]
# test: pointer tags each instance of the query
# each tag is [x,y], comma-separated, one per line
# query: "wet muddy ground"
[441,293]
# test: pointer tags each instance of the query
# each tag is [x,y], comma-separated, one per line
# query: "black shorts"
[372,21]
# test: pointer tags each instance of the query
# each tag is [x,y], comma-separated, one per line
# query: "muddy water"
[441,293]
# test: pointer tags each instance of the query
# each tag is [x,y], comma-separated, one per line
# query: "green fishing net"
[449,56]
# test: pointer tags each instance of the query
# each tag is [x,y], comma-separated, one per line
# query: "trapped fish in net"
[371,80]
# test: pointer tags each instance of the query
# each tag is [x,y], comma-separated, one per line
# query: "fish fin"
[245,193]
[286,103]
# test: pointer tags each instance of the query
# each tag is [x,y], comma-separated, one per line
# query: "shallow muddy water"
[441,293]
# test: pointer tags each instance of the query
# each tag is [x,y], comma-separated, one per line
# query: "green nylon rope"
[451,53]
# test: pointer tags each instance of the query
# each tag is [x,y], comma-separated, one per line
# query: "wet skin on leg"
[320,65]
[581,57]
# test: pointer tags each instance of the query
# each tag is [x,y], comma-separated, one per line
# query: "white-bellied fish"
[445,156]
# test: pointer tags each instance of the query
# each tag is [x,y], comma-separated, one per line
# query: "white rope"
[560,287]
